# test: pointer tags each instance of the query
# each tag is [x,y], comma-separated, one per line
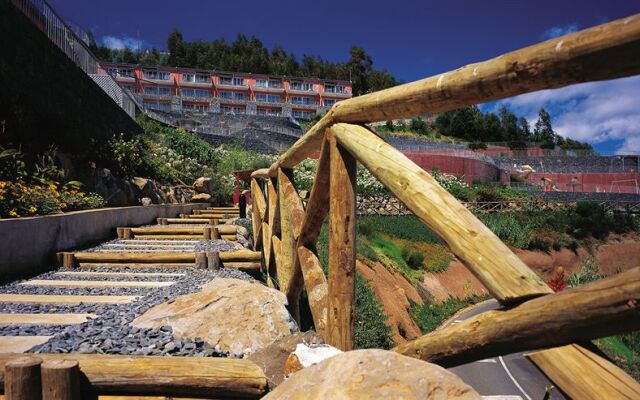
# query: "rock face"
[201,198]
[373,374]
[272,358]
[395,294]
[203,185]
[237,317]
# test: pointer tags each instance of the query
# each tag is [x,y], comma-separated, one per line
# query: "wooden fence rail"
[287,231]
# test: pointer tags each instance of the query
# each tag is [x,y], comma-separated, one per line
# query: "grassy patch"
[624,350]
[429,315]
[406,227]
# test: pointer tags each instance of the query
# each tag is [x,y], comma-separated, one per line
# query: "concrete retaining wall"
[28,245]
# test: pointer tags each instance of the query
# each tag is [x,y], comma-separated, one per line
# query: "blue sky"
[411,39]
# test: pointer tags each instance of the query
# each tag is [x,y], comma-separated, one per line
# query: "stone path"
[89,309]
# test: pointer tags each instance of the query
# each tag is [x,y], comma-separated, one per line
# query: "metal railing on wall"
[42,15]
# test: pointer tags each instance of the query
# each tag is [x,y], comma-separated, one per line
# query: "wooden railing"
[287,232]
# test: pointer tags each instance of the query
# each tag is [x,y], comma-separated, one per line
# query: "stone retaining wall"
[28,245]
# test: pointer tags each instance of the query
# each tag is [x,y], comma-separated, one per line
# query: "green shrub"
[589,272]
[406,227]
[508,228]
[124,157]
[413,259]
[371,330]
[430,315]
[590,219]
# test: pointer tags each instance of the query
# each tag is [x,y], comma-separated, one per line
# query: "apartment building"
[186,89]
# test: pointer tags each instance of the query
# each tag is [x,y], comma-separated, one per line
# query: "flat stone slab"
[91,284]
[66,299]
[20,344]
[43,319]
[118,274]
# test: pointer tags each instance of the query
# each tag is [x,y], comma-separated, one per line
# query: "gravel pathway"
[109,332]
[199,245]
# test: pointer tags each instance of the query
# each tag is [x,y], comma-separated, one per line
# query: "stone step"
[119,274]
[94,284]
[65,299]
[20,344]
[43,319]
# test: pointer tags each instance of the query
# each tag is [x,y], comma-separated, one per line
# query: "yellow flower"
[33,209]
[13,214]
[63,205]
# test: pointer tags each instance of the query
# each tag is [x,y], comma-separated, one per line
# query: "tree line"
[472,125]
[250,55]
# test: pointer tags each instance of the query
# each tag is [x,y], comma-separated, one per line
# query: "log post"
[126,233]
[215,233]
[61,380]
[66,259]
[201,260]
[162,221]
[316,284]
[599,309]
[206,233]
[22,379]
[119,233]
[213,260]
[342,247]
[483,253]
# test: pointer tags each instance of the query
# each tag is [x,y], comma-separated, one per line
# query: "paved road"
[512,375]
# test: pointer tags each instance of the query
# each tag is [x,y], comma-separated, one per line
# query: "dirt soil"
[618,253]
[393,292]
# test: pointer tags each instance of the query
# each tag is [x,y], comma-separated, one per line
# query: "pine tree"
[177,49]
[543,131]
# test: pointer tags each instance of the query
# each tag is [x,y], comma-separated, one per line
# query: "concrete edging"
[28,245]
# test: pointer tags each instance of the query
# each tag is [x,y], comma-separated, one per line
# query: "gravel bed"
[110,332]
[199,246]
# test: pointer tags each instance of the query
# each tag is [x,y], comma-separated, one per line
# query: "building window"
[231,109]
[157,105]
[120,73]
[188,92]
[329,102]
[188,78]
[269,112]
[157,90]
[195,107]
[302,114]
[157,75]
[302,100]
[268,98]
[232,95]
[233,81]
[269,83]
[335,89]
[201,78]
[303,86]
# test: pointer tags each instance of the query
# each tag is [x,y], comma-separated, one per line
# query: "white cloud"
[556,31]
[119,43]
[593,112]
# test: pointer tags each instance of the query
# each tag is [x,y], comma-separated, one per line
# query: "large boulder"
[236,316]
[117,192]
[373,374]
[201,198]
[147,188]
[203,185]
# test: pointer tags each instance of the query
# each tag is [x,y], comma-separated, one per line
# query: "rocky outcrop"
[394,294]
[272,358]
[237,317]
[201,198]
[373,374]
[204,185]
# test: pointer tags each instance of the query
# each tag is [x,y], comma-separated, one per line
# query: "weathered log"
[317,289]
[318,204]
[167,231]
[164,376]
[213,260]
[243,265]
[258,212]
[593,54]
[141,258]
[603,308]
[21,378]
[342,247]
[291,216]
[240,255]
[61,380]
[583,374]
[203,220]
[491,261]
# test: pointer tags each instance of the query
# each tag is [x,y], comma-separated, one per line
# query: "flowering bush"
[367,184]
[18,199]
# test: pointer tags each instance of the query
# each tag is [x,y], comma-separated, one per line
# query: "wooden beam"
[291,216]
[141,258]
[208,377]
[583,374]
[21,344]
[603,308]
[258,212]
[240,255]
[318,204]
[342,247]
[491,261]
[317,289]
[593,54]
[64,299]
[7,319]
